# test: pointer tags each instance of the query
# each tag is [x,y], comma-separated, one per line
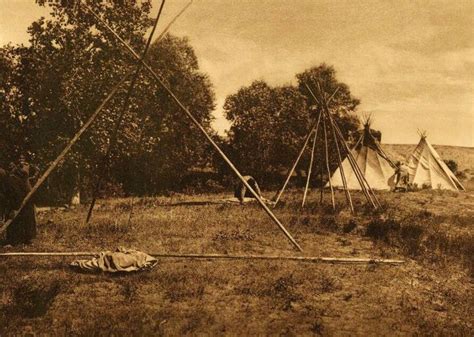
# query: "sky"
[410,62]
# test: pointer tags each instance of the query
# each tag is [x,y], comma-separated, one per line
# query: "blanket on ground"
[122,260]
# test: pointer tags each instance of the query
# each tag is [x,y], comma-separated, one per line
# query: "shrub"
[411,237]
[381,229]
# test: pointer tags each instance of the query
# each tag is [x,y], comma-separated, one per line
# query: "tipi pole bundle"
[198,125]
[61,156]
[359,175]
[341,170]
[113,139]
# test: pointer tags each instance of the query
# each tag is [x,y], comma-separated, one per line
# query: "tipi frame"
[329,128]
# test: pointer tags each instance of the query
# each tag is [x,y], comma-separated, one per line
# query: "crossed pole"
[185,110]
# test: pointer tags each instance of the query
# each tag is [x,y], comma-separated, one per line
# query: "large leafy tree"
[168,143]
[266,126]
[53,85]
[269,124]
[342,106]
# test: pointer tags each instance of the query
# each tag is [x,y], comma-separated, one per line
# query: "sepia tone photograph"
[236,168]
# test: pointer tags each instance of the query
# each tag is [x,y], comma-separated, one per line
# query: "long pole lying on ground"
[61,156]
[198,125]
[347,260]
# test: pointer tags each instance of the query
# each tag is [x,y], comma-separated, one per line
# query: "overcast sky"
[410,62]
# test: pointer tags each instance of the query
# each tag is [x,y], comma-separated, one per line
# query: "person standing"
[402,177]
[18,184]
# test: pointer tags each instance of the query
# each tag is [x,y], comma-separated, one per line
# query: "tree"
[322,81]
[55,84]
[171,144]
[269,124]
[266,122]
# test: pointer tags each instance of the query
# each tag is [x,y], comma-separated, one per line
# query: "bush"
[381,229]
[410,237]
[452,165]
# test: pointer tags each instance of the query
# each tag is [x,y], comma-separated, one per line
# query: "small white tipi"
[427,169]
[378,169]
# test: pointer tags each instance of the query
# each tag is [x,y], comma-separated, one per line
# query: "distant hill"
[463,156]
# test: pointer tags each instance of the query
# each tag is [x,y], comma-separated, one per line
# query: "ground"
[430,294]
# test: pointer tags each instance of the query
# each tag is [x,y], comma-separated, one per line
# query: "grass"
[429,295]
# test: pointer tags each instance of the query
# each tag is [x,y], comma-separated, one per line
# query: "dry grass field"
[430,295]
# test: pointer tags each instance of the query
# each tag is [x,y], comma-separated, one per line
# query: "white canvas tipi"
[378,169]
[427,169]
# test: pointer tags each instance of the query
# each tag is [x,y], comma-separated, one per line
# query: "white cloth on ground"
[122,260]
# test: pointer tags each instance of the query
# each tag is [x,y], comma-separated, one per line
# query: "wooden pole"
[158,39]
[102,167]
[360,177]
[61,156]
[354,167]
[308,173]
[290,173]
[199,126]
[362,181]
[341,170]
[315,259]
[321,188]
[173,21]
[280,192]
[308,178]
[326,147]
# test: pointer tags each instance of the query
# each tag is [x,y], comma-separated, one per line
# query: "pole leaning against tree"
[61,156]
[104,164]
[198,125]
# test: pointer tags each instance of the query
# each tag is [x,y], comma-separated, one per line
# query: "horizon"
[410,64]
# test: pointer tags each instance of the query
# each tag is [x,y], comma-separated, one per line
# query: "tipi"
[378,169]
[427,169]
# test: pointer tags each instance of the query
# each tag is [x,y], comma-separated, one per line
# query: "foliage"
[53,85]
[269,124]
[452,165]
[266,126]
